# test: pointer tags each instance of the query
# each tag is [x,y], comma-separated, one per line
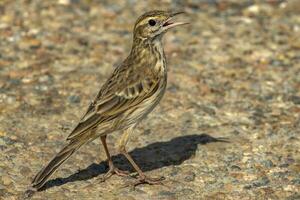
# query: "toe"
[121,172]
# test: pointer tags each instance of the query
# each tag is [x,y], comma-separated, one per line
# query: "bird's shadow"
[150,157]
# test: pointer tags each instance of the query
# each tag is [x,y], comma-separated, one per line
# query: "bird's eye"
[152,22]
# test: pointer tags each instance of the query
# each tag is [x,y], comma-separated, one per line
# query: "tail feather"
[43,175]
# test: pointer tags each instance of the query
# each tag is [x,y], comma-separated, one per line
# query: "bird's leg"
[142,178]
[112,169]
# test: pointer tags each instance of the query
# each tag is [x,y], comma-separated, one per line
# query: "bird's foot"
[113,170]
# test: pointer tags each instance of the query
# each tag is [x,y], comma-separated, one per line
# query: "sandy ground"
[234,73]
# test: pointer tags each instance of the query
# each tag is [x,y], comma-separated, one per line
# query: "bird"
[130,93]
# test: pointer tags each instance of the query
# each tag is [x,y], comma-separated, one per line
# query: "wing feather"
[113,100]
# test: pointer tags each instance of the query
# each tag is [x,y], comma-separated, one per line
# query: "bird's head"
[154,24]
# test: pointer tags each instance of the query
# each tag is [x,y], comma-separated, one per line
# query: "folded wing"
[111,103]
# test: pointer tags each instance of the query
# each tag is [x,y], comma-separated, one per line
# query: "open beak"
[170,24]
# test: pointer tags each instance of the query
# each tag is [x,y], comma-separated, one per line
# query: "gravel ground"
[234,73]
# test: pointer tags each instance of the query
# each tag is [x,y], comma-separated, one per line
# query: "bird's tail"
[43,175]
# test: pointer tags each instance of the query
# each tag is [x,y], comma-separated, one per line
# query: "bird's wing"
[123,90]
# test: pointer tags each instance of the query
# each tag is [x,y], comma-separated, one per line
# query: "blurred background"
[234,72]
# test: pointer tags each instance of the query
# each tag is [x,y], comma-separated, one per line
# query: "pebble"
[6,180]
[296,181]
[293,197]
[74,99]
[166,194]
[295,99]
[261,182]
[268,163]
[186,192]
[190,177]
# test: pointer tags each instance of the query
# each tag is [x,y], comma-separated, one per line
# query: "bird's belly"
[135,115]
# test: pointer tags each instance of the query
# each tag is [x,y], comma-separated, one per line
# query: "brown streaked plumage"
[132,91]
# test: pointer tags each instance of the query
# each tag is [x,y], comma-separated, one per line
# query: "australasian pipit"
[132,91]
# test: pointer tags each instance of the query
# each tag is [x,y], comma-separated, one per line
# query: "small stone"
[295,99]
[247,187]
[187,191]
[208,110]
[45,78]
[147,132]
[41,87]
[284,165]
[293,197]
[167,194]
[261,182]
[235,168]
[2,133]
[3,192]
[173,88]
[175,171]
[64,2]
[253,9]
[30,43]
[190,177]
[15,82]
[6,180]
[289,188]
[6,141]
[267,163]
[279,174]
[74,99]
[25,171]
[296,181]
